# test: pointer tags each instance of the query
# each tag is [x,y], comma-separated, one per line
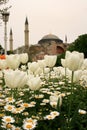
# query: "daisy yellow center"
[29,126]
[10,98]
[9,107]
[49,117]
[25,105]
[8,119]
[17,129]
[8,126]
[29,121]
[54,105]
[54,113]
[18,109]
[1,115]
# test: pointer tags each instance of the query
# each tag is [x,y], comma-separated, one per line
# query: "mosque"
[49,44]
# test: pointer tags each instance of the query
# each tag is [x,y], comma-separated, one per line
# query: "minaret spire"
[65,38]
[11,40]
[26,33]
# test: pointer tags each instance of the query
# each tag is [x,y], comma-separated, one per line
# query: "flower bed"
[40,96]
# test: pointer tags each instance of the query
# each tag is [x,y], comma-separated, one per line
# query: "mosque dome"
[50,37]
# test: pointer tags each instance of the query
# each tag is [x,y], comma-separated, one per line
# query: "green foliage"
[1,50]
[1,47]
[69,118]
[78,101]
[10,52]
[80,45]
[59,57]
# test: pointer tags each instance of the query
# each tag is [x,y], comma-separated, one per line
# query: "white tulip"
[30,76]
[53,98]
[68,53]
[46,70]
[50,60]
[73,60]
[15,79]
[34,83]
[28,64]
[38,71]
[61,71]
[3,64]
[42,63]
[29,72]
[84,65]
[13,61]
[56,99]
[63,62]
[55,69]
[33,66]
[24,58]
[59,100]
[77,75]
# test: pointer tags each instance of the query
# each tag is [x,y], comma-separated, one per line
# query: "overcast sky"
[59,17]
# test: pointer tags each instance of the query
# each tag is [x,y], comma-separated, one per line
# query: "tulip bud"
[73,60]
[34,83]
[50,60]
[15,79]
[24,58]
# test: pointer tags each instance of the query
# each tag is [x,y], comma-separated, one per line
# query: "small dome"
[50,37]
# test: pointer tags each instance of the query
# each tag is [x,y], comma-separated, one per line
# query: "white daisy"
[53,104]
[9,107]
[28,126]
[16,128]
[82,111]
[55,113]
[18,110]
[45,100]
[10,99]
[30,120]
[8,119]
[49,117]
[39,96]
[33,102]
[26,105]
[7,125]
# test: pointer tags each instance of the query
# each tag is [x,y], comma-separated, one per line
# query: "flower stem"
[70,101]
[72,77]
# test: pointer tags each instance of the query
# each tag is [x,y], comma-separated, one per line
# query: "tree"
[1,50]
[80,45]
[3,1]
[3,9]
[59,57]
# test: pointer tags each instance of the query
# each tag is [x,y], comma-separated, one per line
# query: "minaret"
[65,38]
[11,40]
[26,33]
